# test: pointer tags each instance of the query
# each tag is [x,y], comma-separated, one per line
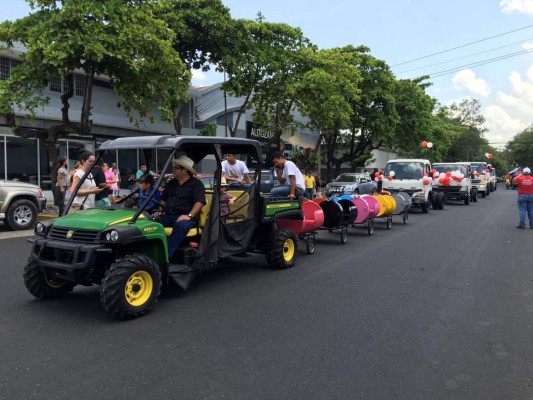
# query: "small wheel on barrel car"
[344,235]
[405,217]
[370,227]
[388,222]
[310,244]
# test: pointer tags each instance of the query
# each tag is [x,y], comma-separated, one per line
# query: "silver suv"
[20,203]
[350,183]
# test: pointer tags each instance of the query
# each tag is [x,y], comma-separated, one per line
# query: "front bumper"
[61,260]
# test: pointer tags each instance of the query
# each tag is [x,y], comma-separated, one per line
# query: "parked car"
[350,183]
[20,203]
[267,180]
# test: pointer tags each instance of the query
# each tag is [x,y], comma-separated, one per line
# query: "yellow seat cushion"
[204,212]
[238,211]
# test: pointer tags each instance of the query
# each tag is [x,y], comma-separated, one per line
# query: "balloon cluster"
[391,175]
[378,177]
[429,145]
[488,155]
[446,178]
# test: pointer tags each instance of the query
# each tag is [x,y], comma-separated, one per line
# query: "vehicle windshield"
[450,168]
[479,167]
[347,178]
[405,170]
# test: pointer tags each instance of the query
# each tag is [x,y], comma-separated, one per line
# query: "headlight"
[111,236]
[418,194]
[39,229]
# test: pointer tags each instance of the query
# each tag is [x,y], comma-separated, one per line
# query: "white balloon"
[392,173]
[430,145]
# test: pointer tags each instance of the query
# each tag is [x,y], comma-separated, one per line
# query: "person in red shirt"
[525,198]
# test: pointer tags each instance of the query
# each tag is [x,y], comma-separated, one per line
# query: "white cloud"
[466,79]
[521,87]
[519,6]
[501,126]
[512,113]
[198,75]
[527,45]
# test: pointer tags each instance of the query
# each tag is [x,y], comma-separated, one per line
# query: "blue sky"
[400,31]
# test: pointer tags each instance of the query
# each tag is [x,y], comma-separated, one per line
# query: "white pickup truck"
[412,176]
[453,179]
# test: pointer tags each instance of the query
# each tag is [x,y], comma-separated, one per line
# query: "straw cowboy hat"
[185,162]
[223,181]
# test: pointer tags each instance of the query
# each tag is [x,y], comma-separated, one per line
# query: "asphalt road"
[439,308]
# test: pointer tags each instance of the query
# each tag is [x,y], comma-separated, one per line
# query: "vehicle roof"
[409,160]
[173,142]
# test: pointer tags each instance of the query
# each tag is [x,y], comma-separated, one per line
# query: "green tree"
[202,37]
[122,41]
[519,151]
[263,59]
[331,87]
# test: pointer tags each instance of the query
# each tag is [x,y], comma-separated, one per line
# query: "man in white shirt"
[290,177]
[236,172]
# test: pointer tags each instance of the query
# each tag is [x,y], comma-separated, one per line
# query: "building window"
[5,67]
[55,84]
[79,86]
[101,83]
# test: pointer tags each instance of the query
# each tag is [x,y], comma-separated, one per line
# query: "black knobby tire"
[474,196]
[467,199]
[388,222]
[434,201]
[21,214]
[42,287]
[130,287]
[283,254]
[440,200]
[483,194]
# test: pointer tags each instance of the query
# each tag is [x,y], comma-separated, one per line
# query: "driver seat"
[204,212]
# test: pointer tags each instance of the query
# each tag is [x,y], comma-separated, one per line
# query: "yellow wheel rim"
[288,250]
[54,284]
[139,288]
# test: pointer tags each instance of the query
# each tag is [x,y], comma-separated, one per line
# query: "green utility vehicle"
[124,251]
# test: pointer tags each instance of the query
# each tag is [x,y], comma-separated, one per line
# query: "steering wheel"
[123,199]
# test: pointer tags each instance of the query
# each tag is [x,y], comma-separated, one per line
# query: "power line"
[464,45]
[468,56]
[478,63]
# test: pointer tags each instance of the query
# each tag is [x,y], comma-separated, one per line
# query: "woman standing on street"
[525,198]
[88,189]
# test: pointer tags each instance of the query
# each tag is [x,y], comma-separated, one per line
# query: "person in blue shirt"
[143,170]
[146,187]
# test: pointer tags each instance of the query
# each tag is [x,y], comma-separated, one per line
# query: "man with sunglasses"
[182,199]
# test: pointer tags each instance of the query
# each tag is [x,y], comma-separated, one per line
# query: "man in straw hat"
[182,201]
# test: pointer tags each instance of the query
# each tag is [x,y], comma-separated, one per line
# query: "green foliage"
[123,41]
[209,130]
[519,151]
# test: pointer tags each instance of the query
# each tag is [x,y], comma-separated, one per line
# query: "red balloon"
[389,178]
[448,174]
[489,156]
[424,143]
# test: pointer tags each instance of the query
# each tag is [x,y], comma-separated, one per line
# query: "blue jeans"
[284,191]
[237,185]
[309,193]
[179,230]
[525,205]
